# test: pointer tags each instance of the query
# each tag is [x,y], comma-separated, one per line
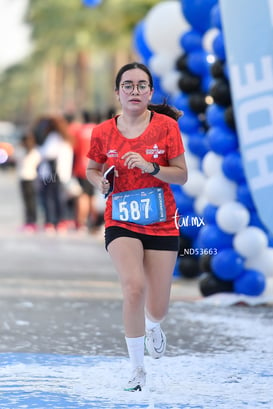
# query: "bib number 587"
[134,210]
[140,206]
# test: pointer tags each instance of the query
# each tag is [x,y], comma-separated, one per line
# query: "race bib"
[140,206]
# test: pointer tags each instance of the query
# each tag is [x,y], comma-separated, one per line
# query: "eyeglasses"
[128,87]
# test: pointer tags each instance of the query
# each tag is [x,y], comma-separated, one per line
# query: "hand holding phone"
[109,175]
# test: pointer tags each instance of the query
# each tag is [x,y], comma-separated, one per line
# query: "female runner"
[145,146]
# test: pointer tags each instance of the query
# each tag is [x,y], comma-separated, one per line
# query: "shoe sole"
[135,389]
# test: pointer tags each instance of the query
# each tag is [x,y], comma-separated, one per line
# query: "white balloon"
[169,82]
[208,38]
[195,183]
[250,242]
[269,287]
[219,190]
[164,25]
[232,217]
[191,160]
[212,164]
[161,63]
[200,203]
[186,144]
[263,262]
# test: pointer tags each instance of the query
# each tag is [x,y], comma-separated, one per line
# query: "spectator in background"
[55,170]
[86,212]
[27,159]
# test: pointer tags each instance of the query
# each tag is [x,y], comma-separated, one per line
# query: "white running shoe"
[155,342]
[137,381]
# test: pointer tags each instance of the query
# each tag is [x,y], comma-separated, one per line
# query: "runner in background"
[144,144]
[27,159]
[55,170]
[87,216]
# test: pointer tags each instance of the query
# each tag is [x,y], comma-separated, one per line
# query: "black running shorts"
[149,242]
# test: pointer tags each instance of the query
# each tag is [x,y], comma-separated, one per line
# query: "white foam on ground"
[225,381]
[233,378]
[228,380]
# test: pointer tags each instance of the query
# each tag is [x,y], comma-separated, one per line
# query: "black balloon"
[205,263]
[217,69]
[185,243]
[220,92]
[181,63]
[209,285]
[197,102]
[189,83]
[229,117]
[189,267]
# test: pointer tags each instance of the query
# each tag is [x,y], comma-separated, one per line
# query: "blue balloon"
[191,41]
[270,240]
[222,140]
[232,167]
[211,237]
[197,63]
[197,12]
[215,115]
[139,43]
[183,202]
[176,189]
[226,71]
[227,264]
[156,81]
[189,225]
[181,101]
[206,83]
[158,97]
[215,17]
[91,3]
[219,47]
[177,272]
[196,245]
[189,122]
[250,282]
[157,85]
[159,94]
[198,144]
[243,195]
[209,214]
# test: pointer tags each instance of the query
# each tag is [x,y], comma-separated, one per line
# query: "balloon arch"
[231,251]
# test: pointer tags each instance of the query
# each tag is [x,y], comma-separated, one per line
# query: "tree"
[75,55]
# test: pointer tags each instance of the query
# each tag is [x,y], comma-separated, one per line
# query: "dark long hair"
[50,123]
[163,108]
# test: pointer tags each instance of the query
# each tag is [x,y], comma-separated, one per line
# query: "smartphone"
[109,175]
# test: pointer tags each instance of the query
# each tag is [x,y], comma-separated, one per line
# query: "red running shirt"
[81,147]
[160,142]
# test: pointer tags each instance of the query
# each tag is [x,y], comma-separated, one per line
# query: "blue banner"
[248,33]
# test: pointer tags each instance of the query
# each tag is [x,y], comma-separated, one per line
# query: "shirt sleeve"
[97,147]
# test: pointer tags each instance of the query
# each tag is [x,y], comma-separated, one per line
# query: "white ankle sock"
[135,348]
[149,325]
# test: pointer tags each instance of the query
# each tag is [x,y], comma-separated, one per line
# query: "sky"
[14,34]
